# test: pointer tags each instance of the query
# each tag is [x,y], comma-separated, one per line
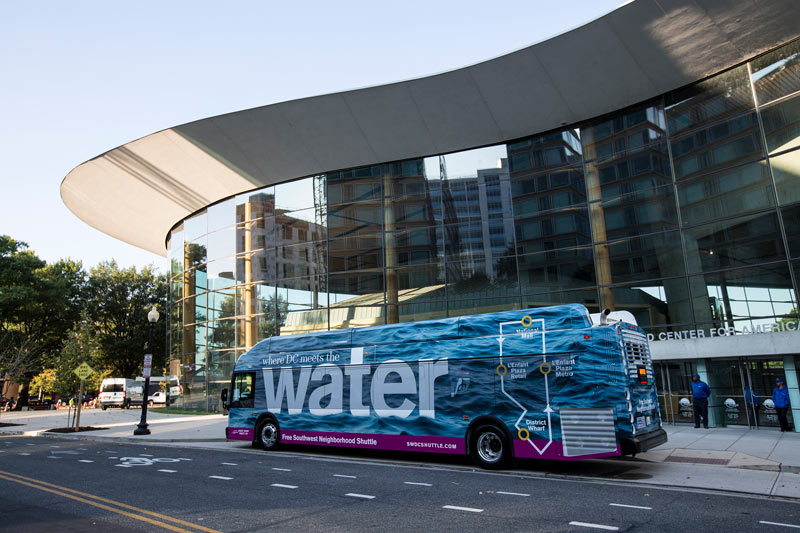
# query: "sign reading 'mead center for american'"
[706,333]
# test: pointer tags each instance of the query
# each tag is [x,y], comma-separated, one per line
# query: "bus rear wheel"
[489,447]
[267,435]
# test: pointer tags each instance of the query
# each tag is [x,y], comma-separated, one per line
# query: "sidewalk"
[764,462]
[734,447]
[119,424]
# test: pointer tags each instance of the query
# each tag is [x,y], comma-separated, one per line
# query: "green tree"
[81,346]
[44,383]
[61,299]
[39,304]
[19,358]
[790,317]
[117,304]
[19,285]
[276,310]
[274,316]
[223,335]
[37,299]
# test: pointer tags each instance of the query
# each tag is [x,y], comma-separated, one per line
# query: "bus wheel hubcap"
[490,447]
[269,434]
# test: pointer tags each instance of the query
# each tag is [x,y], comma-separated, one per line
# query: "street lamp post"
[141,429]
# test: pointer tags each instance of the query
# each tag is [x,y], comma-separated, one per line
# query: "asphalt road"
[49,484]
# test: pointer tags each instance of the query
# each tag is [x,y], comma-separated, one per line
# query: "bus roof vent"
[613,316]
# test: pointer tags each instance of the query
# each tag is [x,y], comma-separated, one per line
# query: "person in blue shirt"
[780,397]
[753,403]
[700,394]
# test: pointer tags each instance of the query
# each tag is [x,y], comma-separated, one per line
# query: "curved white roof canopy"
[139,191]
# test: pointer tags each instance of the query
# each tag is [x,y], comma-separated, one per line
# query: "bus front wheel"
[489,447]
[267,435]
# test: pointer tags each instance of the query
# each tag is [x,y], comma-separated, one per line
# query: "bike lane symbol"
[127,462]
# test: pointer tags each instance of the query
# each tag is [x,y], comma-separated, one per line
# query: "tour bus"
[544,383]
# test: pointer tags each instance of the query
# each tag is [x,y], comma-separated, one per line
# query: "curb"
[69,436]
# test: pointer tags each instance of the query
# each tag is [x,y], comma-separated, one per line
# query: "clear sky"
[80,78]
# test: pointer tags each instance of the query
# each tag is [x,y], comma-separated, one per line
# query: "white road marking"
[629,506]
[457,508]
[53,457]
[167,471]
[124,466]
[54,446]
[342,475]
[183,459]
[113,457]
[595,526]
[363,496]
[282,469]
[84,461]
[23,453]
[511,493]
[417,483]
[778,524]
[282,486]
[30,445]
[145,455]
[136,461]
[229,464]
[221,477]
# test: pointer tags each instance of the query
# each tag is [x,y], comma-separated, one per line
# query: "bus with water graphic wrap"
[543,383]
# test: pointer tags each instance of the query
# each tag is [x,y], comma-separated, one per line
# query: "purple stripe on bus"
[407,443]
[554,450]
[376,441]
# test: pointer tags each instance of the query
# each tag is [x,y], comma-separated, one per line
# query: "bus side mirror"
[224,396]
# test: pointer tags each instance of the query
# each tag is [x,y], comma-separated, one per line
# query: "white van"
[167,384]
[120,392]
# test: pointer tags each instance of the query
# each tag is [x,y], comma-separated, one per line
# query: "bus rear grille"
[587,431]
[636,353]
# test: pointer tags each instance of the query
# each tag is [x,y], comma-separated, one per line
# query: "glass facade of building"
[684,210]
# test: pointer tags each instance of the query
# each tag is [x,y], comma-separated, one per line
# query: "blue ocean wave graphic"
[571,365]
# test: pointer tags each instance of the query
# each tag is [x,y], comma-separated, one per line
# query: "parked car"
[157,398]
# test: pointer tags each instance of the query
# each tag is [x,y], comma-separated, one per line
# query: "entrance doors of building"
[741,391]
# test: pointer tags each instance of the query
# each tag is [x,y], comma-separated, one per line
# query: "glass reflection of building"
[684,210]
